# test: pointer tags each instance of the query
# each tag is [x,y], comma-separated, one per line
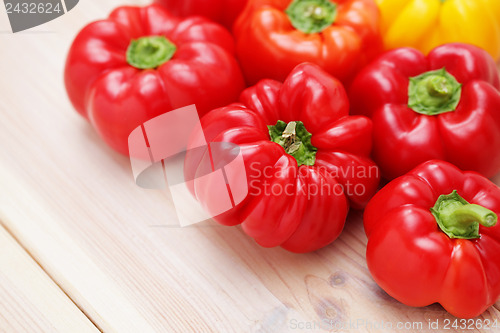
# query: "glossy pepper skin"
[301,208]
[221,11]
[462,126]
[426,24]
[271,37]
[118,85]
[415,261]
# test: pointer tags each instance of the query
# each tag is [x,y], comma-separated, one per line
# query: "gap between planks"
[21,245]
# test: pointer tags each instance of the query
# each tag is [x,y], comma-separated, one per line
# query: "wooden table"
[80,246]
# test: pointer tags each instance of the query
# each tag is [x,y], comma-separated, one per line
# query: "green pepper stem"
[150,52]
[296,141]
[434,92]
[471,213]
[459,219]
[312,16]
[439,86]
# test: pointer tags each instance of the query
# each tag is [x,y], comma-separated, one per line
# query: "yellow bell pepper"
[425,24]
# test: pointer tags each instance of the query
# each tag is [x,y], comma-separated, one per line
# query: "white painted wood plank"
[30,300]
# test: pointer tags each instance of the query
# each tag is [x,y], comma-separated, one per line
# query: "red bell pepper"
[433,237]
[142,62]
[221,11]
[443,106]
[304,157]
[273,36]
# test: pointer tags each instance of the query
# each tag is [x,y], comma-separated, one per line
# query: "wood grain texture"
[30,300]
[117,250]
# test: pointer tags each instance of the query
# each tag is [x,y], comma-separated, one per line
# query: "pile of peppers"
[326,100]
